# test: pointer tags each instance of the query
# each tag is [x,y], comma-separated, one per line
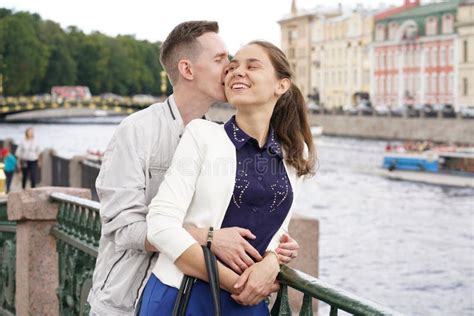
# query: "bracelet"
[210,236]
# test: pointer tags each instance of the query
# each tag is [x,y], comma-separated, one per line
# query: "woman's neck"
[255,124]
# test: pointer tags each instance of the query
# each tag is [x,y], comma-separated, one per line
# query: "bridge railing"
[60,171]
[7,261]
[89,172]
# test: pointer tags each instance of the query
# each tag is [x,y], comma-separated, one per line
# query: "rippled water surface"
[406,245]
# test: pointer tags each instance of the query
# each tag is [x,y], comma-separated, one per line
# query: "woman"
[28,153]
[244,173]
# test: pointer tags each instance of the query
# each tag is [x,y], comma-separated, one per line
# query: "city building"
[296,41]
[340,61]
[465,29]
[413,55]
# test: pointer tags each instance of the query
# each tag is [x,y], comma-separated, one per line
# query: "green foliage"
[36,54]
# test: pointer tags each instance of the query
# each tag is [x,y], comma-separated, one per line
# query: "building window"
[392,30]
[427,84]
[434,57]
[450,82]
[292,35]
[291,53]
[434,88]
[442,83]
[395,84]
[431,25]
[448,23]
[380,32]
[442,57]
[465,87]
[427,58]
[389,84]
[465,51]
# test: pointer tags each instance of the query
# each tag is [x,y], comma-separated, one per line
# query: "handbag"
[186,287]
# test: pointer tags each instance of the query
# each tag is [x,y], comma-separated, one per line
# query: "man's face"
[209,66]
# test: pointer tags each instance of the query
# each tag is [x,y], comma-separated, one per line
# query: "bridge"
[13,105]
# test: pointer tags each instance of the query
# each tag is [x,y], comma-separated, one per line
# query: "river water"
[405,245]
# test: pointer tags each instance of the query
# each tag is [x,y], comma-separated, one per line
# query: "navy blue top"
[262,193]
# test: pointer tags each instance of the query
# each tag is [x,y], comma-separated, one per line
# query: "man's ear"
[185,68]
[283,86]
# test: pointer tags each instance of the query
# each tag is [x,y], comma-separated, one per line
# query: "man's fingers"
[252,251]
[246,233]
[234,267]
[291,245]
[248,261]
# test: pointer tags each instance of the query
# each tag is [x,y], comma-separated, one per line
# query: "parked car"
[349,109]
[425,109]
[365,108]
[399,110]
[448,111]
[466,111]
[143,99]
[313,107]
[111,97]
[382,110]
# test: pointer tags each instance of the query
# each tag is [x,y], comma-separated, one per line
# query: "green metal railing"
[7,261]
[78,233]
[312,287]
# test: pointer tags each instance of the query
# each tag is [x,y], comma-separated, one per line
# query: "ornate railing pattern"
[7,261]
[78,233]
[314,288]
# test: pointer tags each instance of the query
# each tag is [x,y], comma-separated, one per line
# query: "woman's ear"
[283,86]
[185,68]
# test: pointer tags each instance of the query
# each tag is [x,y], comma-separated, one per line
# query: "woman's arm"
[191,262]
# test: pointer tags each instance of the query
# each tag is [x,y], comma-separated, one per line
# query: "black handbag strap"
[184,292]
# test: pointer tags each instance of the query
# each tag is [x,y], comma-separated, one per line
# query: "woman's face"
[250,78]
[29,133]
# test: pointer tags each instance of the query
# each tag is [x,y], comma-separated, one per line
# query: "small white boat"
[316,131]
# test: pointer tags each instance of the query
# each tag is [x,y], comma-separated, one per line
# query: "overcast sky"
[240,21]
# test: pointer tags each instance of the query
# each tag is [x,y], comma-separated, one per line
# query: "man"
[134,165]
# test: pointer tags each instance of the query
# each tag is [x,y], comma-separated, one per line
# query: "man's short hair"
[181,43]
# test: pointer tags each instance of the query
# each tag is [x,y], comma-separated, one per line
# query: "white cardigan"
[196,190]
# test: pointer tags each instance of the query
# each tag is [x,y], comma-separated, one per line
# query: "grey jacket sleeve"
[121,189]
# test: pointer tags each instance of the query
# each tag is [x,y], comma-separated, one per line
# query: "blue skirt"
[159,298]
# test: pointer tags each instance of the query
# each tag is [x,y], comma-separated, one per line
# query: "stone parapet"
[36,255]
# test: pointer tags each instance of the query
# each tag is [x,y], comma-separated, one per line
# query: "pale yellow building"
[465,50]
[296,43]
[340,60]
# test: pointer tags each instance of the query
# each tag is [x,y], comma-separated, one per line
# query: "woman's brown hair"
[290,118]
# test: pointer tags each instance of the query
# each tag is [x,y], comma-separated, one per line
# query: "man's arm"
[121,189]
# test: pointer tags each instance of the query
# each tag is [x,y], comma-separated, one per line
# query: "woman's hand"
[258,281]
[287,250]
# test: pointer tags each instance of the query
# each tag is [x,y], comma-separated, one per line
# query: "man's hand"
[231,247]
[287,250]
[258,281]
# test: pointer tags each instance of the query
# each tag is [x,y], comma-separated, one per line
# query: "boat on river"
[451,167]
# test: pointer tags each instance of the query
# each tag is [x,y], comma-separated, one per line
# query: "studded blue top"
[262,193]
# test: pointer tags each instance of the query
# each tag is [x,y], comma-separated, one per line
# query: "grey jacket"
[133,167]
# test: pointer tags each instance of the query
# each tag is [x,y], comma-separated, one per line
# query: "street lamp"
[164,84]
